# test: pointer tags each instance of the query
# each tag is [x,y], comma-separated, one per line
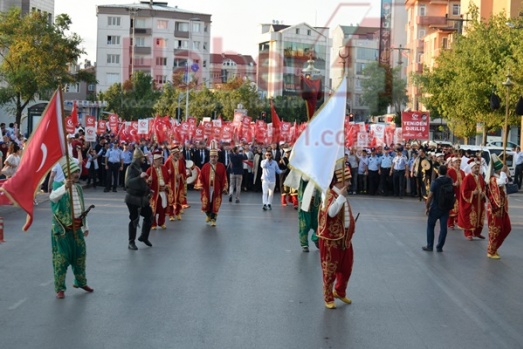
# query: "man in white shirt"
[269,170]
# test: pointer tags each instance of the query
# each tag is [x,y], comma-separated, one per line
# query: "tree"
[374,86]
[34,56]
[459,87]
[134,99]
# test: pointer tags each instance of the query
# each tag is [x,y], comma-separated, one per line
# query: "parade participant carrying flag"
[45,147]
[321,145]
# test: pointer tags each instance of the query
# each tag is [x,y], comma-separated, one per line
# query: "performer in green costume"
[67,234]
[309,202]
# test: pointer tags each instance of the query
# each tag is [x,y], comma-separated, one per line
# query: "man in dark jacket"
[137,199]
[434,212]
[235,170]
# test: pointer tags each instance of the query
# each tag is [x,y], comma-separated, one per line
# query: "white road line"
[17,304]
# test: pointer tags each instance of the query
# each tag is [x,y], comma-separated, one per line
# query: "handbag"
[512,188]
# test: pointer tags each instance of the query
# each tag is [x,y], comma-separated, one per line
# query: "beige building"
[487,8]
[429,27]
[225,67]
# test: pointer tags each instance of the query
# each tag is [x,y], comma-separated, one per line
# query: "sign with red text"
[415,125]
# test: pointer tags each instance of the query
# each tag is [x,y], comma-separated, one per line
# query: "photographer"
[137,199]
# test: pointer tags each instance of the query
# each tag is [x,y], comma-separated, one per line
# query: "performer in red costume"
[497,215]
[175,166]
[157,180]
[457,176]
[212,182]
[471,213]
[335,231]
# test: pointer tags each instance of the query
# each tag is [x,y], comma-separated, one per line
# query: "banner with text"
[415,125]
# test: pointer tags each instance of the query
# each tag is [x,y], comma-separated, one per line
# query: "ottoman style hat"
[138,154]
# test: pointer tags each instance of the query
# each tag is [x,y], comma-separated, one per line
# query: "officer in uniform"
[385,171]
[373,169]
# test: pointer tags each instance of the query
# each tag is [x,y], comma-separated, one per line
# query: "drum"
[425,164]
[195,171]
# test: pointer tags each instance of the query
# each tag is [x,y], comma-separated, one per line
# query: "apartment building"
[487,8]
[44,6]
[353,47]
[225,67]
[283,52]
[429,26]
[151,37]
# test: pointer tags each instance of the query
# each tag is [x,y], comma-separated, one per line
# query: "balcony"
[181,34]
[431,21]
[140,50]
[141,31]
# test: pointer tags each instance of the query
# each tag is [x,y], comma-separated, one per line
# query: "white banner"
[143,126]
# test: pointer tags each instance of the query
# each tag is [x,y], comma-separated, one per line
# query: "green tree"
[134,99]
[374,86]
[459,87]
[34,56]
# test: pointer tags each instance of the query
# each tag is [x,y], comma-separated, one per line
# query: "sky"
[235,23]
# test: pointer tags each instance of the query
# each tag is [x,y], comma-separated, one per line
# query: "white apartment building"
[151,37]
[283,51]
[44,6]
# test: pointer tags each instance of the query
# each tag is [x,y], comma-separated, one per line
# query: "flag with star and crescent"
[44,148]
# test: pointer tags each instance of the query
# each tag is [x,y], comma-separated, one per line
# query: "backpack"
[446,197]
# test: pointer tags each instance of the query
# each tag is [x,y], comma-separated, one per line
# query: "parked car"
[510,145]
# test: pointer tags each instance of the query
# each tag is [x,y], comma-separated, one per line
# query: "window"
[204,64]
[422,10]
[73,88]
[182,26]
[183,44]
[112,78]
[196,45]
[140,42]
[140,23]
[113,21]
[444,43]
[113,40]
[421,33]
[205,46]
[162,24]
[359,68]
[113,59]
[91,87]
[139,61]
[297,31]
[180,63]
[161,79]
[205,29]
[309,32]
[160,42]
[456,9]
[161,61]
[368,54]
[196,27]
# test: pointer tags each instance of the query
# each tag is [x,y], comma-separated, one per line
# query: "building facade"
[44,6]
[151,37]
[283,52]
[225,67]
[353,47]
[428,28]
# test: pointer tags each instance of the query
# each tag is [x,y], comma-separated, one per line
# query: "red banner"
[69,125]
[102,127]
[415,125]
[113,123]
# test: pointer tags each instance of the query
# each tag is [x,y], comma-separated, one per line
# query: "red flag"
[45,147]
[4,200]
[74,114]
[275,124]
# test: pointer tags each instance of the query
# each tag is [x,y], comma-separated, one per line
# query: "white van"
[486,154]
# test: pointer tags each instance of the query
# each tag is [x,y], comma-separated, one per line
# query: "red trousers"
[160,211]
[336,265]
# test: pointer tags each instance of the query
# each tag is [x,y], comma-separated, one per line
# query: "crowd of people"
[156,178]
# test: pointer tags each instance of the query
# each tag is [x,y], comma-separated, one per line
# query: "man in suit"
[201,155]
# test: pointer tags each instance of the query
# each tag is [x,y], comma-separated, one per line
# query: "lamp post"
[508,85]
[310,87]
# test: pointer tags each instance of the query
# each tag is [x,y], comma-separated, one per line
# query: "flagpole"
[67,157]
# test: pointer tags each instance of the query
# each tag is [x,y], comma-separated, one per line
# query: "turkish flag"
[45,147]
[4,200]
[275,124]
[74,114]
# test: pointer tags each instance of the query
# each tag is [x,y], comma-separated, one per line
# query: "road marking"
[46,283]
[17,304]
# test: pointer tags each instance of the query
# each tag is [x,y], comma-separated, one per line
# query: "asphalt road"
[246,283]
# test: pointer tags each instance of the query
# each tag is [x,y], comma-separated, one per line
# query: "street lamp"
[133,12]
[508,84]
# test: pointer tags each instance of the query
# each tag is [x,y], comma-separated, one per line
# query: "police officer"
[399,166]
[113,164]
[385,171]
[373,169]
